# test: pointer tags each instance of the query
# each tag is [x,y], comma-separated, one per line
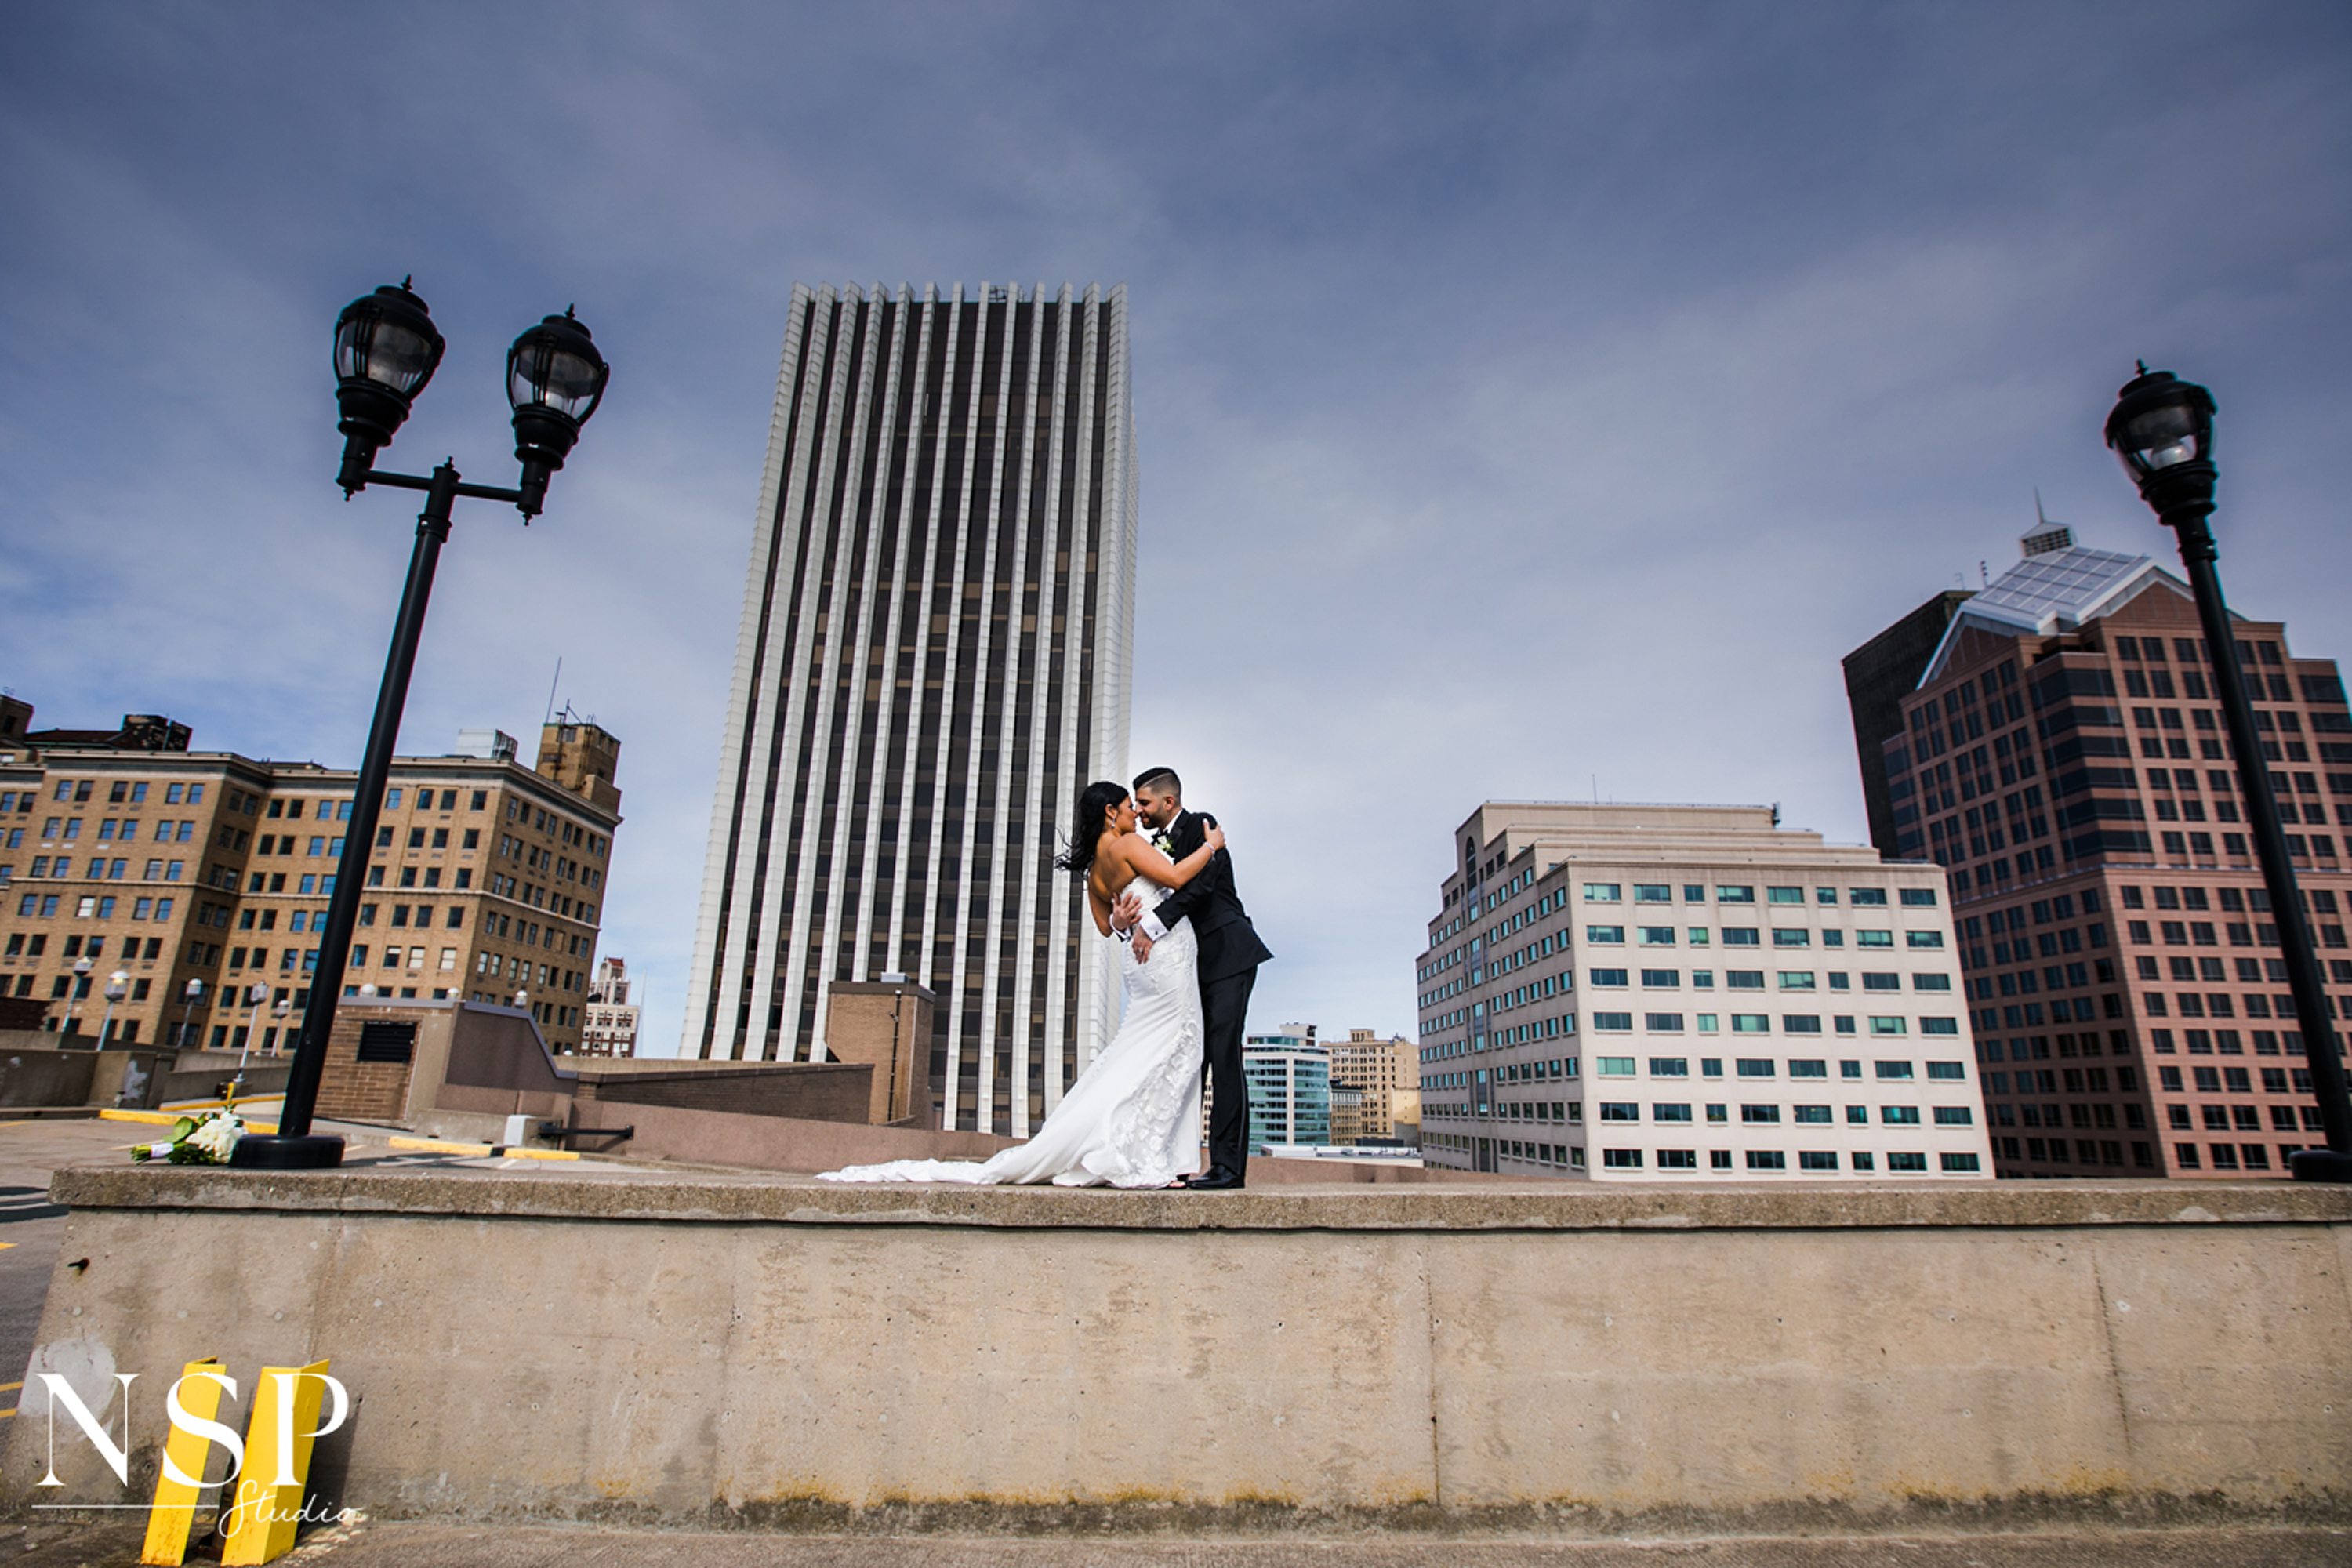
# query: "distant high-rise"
[1878,676]
[934,657]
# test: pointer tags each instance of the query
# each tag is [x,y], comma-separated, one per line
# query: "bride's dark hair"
[1094,811]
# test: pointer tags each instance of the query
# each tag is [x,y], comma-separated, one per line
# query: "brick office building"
[170,867]
[2063,756]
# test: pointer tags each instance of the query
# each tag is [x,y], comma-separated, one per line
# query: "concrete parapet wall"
[1444,1355]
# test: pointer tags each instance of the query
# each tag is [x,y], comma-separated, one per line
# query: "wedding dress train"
[1132,1119]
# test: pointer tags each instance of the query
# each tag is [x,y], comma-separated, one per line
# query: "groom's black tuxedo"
[1229,953]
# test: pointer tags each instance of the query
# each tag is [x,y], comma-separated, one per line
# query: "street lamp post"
[386,348]
[189,997]
[2162,429]
[77,988]
[118,986]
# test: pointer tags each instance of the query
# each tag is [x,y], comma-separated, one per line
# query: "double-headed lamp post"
[188,1000]
[2162,429]
[118,986]
[76,989]
[386,348]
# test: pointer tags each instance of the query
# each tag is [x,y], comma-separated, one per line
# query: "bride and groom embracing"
[1160,881]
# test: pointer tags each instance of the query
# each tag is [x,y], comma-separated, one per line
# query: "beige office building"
[1691,993]
[200,878]
[1385,1075]
[609,1024]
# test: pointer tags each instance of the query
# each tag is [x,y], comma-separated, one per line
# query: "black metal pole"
[294,1146]
[2333,1164]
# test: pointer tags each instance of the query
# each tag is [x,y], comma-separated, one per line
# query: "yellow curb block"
[168,1118]
[480,1151]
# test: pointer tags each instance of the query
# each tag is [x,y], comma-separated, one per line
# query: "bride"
[1133,1118]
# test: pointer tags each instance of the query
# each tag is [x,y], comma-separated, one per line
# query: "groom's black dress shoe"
[1216,1179]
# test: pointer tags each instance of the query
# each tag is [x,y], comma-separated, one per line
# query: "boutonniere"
[1164,843]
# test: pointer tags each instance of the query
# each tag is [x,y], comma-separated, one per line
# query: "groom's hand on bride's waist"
[1126,912]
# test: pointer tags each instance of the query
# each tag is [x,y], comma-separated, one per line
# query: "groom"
[1230,954]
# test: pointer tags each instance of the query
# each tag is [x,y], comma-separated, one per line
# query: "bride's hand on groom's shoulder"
[1215,838]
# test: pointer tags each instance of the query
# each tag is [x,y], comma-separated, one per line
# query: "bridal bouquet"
[194,1141]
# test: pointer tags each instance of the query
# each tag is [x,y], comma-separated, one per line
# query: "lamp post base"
[2320,1166]
[266,1151]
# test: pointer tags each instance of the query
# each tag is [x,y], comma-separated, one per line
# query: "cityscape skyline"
[1733,286]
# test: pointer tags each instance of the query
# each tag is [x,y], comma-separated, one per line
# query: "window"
[1893,1072]
[1601,893]
[1784,895]
[1661,979]
[1810,1114]
[1800,1023]
[1670,1066]
[1744,979]
[1750,1024]
[1874,939]
[1657,936]
[1620,1110]
[1766,1160]
[1931,983]
[1961,1163]
[1899,1115]
[1761,1115]
[1734,895]
[1613,1023]
[1808,1067]
[1920,898]
[1652,893]
[1878,981]
[1608,977]
[1867,895]
[1952,1072]
[1902,1162]
[1605,936]
[1677,1159]
[1954,1116]
[1672,1112]
[1614,1067]
[1783,936]
[1796,980]
[1884,1025]
[1816,1160]
[1663,1023]
[1740,936]
[1925,938]
[1620,1159]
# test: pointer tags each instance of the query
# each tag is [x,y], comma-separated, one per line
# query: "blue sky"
[1528,394]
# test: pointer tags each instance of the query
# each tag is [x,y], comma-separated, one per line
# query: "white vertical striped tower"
[935,654]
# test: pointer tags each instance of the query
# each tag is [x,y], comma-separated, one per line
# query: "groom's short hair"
[1160,779]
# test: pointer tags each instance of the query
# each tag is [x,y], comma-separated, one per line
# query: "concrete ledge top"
[632,1196]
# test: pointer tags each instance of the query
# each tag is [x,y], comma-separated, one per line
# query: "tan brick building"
[1386,1073]
[176,868]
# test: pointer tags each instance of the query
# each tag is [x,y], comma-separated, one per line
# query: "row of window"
[124,792]
[94,907]
[1696,893]
[1749,936]
[1753,980]
[110,829]
[97,869]
[1899,1161]
[1881,1025]
[1804,1115]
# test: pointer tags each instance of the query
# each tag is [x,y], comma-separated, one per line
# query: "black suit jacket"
[1229,944]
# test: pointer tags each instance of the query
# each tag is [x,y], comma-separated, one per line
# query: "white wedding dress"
[1133,1118]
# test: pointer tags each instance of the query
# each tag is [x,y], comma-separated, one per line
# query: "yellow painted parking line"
[7,1412]
[168,1118]
[479,1150]
[10,1387]
[4,1245]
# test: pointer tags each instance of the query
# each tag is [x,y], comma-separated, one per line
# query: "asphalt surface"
[415,1545]
[31,1227]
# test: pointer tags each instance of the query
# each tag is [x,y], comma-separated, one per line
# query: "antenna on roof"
[551,690]
[2038,515]
[1984,572]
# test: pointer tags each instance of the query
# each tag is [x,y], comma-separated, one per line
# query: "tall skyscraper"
[934,657]
[2062,757]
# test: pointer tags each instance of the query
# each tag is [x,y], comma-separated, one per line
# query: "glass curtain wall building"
[934,656]
[1289,1076]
